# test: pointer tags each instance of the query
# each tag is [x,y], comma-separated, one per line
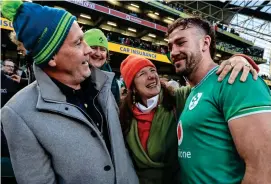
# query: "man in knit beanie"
[68,130]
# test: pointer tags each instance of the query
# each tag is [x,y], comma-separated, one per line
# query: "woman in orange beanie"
[148,116]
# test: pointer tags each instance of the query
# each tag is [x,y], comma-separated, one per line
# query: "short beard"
[191,66]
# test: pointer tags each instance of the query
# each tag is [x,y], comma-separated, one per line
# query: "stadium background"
[139,27]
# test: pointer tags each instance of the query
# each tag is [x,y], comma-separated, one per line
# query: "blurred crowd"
[174,5]
[13,79]
[251,51]
[266,77]
[136,42]
[227,28]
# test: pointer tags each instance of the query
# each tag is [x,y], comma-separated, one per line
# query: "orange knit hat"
[130,66]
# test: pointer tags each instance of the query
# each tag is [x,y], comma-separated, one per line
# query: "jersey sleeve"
[243,98]
[181,94]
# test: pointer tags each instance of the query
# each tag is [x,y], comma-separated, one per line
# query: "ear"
[206,43]
[52,62]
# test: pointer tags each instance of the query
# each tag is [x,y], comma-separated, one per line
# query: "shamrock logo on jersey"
[180,132]
[195,100]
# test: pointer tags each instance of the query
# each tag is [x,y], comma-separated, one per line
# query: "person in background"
[9,88]
[28,58]
[64,127]
[99,56]
[123,90]
[20,76]
[8,67]
[12,72]
[149,116]
[224,131]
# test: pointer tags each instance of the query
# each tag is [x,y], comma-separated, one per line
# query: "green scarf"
[160,164]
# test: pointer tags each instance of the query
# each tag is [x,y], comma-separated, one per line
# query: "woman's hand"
[236,64]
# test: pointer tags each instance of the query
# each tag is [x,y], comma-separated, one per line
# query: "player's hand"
[16,78]
[236,64]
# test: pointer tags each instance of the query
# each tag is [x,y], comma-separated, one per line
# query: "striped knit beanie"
[41,29]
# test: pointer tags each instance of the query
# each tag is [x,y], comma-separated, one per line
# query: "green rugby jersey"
[206,150]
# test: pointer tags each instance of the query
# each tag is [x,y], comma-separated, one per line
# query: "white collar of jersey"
[151,104]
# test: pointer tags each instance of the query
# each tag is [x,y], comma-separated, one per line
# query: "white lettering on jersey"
[182,153]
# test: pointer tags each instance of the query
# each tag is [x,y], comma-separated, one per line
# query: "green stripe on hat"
[55,40]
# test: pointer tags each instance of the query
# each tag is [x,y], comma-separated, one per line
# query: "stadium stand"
[139,27]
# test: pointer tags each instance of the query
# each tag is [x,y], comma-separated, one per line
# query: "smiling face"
[147,83]
[70,64]
[98,56]
[185,47]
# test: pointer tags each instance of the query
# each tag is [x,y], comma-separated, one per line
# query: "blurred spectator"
[123,90]
[14,73]
[133,14]
[8,89]
[219,25]
[137,42]
[127,41]
[251,51]
[226,28]
[122,40]
[28,77]
[8,67]
[163,51]
[8,86]
[108,36]
[265,77]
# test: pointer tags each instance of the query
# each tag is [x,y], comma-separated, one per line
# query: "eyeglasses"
[9,66]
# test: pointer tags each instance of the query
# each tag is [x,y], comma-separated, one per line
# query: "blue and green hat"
[41,29]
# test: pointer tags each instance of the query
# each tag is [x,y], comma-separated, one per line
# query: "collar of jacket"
[49,91]
[50,97]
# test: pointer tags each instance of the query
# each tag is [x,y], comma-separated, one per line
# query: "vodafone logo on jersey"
[180,133]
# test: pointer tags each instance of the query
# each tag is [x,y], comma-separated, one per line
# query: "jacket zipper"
[107,126]
[98,112]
